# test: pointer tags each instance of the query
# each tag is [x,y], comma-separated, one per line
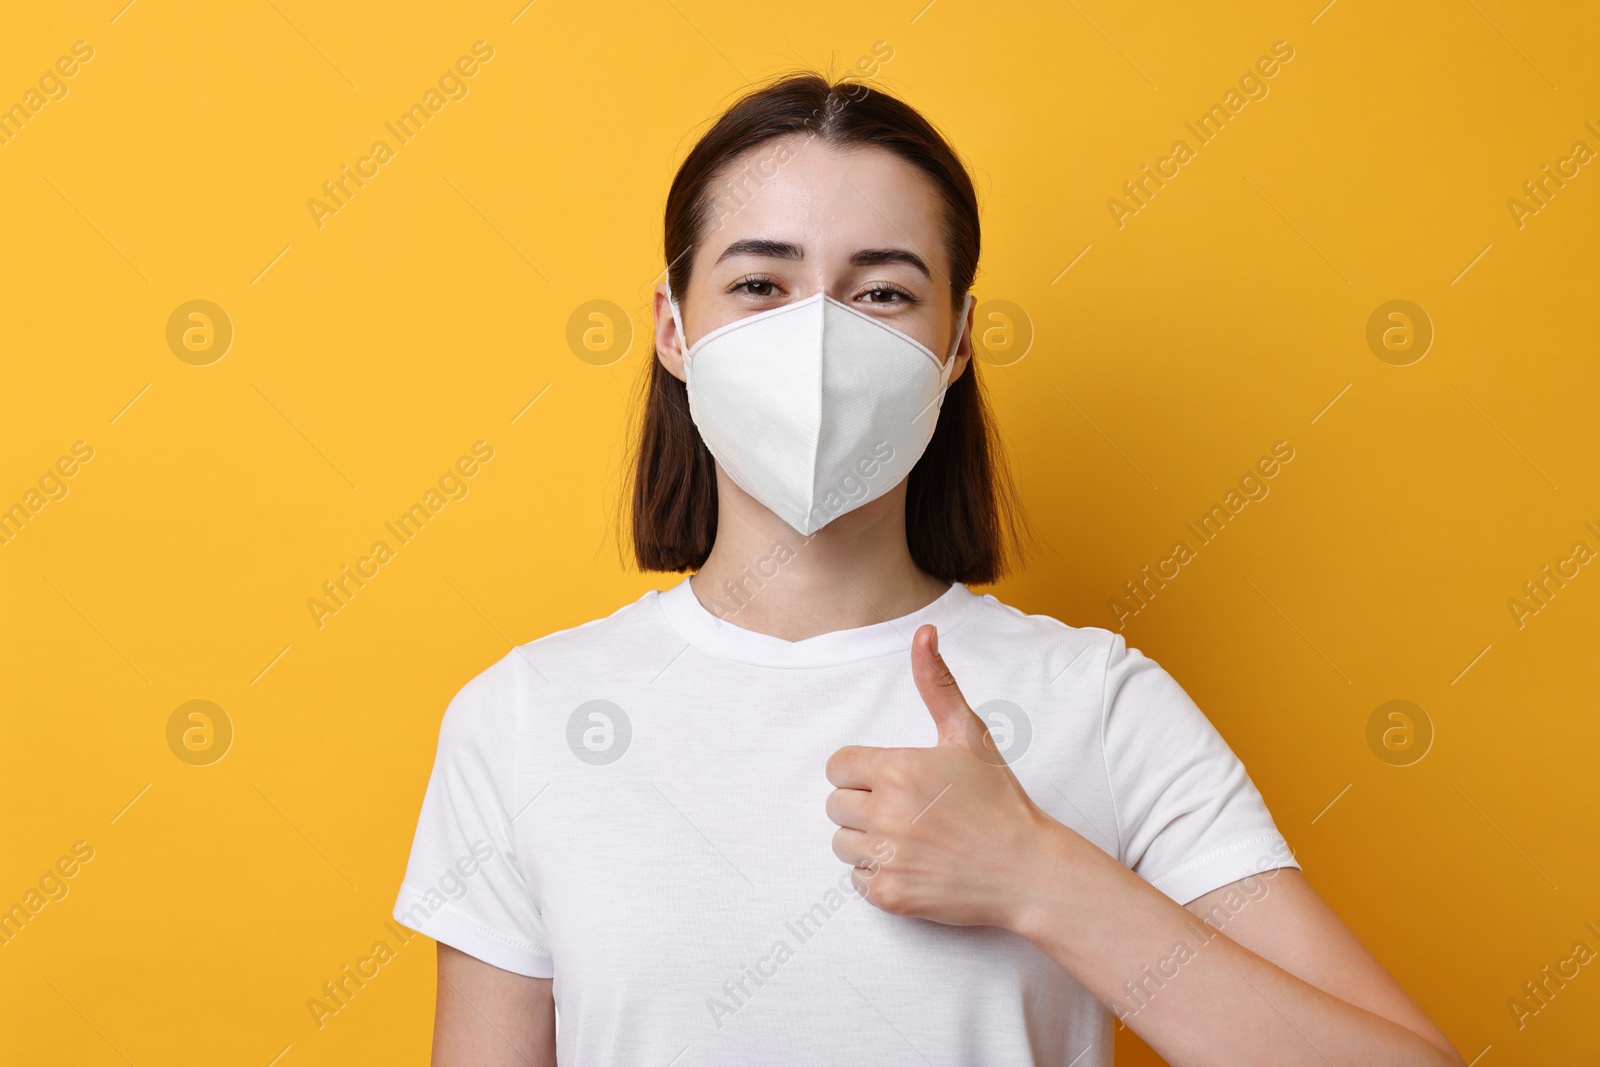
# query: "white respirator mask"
[815,408]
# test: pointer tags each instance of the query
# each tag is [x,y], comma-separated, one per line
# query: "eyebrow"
[866,257]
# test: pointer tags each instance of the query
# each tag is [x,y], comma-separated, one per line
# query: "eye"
[884,293]
[755,285]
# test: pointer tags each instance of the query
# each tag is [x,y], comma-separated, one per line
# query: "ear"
[669,346]
[963,354]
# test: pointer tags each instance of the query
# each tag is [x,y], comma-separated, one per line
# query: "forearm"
[1190,992]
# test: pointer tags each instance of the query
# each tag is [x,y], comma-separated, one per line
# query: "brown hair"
[962,517]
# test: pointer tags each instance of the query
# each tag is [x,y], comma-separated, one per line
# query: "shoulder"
[1096,663]
[994,628]
[488,702]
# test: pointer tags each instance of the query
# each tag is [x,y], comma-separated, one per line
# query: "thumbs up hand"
[944,833]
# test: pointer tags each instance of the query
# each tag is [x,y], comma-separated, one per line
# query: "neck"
[764,576]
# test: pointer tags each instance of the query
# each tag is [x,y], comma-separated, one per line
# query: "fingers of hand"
[932,674]
[852,847]
[853,767]
[848,808]
[952,715]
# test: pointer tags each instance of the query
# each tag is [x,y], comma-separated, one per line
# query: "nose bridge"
[827,266]
[817,275]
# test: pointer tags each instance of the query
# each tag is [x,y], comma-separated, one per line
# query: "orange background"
[368,354]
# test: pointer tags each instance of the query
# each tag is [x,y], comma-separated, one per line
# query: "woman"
[754,818]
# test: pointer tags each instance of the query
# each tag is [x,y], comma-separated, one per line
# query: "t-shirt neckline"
[723,638]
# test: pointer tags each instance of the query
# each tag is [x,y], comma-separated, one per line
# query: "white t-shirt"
[635,807]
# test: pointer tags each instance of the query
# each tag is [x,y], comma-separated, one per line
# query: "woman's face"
[859,224]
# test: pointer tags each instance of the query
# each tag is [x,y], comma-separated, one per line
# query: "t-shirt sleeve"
[463,885]
[1189,819]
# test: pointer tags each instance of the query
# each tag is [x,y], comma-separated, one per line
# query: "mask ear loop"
[677,318]
[949,365]
[955,344]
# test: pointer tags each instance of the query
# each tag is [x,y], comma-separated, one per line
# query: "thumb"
[952,716]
